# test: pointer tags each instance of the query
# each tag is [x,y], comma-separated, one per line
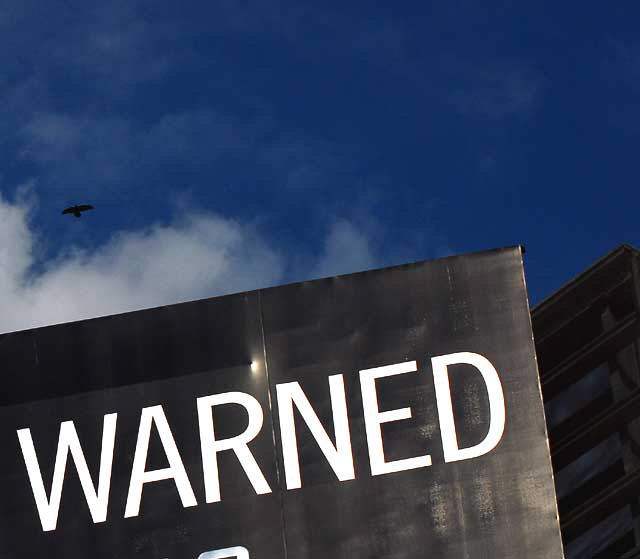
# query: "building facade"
[587,340]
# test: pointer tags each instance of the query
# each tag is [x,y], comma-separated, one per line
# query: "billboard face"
[393,413]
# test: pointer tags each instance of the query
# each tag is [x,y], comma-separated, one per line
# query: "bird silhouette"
[77,210]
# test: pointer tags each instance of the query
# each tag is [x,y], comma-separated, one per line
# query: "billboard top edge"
[520,248]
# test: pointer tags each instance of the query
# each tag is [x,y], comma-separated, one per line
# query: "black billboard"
[394,413]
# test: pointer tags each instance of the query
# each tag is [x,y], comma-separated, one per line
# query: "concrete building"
[587,338]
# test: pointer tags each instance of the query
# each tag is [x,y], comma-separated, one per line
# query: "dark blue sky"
[412,130]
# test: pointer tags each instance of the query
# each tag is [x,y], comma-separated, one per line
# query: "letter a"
[175,470]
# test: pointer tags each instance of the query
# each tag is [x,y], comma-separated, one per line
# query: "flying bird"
[77,210]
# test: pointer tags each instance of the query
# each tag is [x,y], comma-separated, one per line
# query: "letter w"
[68,442]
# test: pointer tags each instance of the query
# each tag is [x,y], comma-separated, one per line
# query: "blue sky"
[234,145]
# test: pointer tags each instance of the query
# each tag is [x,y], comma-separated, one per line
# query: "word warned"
[289,397]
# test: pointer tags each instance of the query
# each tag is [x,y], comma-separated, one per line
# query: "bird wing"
[69,210]
[84,207]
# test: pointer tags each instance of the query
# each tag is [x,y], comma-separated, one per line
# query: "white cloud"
[624,58]
[73,151]
[495,90]
[199,255]
[346,249]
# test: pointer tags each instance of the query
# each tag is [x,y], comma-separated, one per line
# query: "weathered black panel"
[198,349]
[498,505]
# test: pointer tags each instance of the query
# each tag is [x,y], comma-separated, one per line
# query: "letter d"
[452,452]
